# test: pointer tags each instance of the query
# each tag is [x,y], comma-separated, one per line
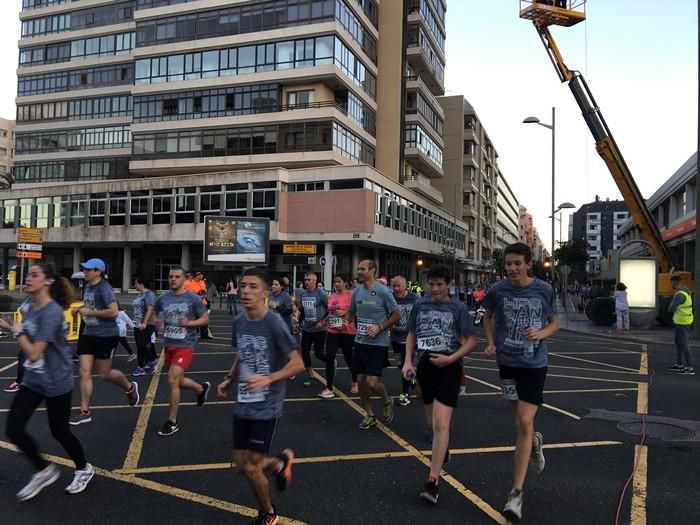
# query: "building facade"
[471,182]
[674,209]
[129,100]
[507,214]
[598,224]
[7,148]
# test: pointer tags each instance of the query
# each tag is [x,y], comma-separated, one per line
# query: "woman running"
[48,376]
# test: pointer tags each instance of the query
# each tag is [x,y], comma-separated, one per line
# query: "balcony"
[421,184]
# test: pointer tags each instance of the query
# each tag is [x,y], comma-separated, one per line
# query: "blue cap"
[94,264]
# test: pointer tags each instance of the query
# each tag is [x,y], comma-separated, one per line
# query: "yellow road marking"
[134,453]
[550,367]
[610,352]
[163,488]
[609,365]
[7,367]
[638,514]
[604,380]
[643,388]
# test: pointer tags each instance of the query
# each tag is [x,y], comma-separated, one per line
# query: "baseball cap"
[93,264]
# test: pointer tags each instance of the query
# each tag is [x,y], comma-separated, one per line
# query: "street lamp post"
[562,206]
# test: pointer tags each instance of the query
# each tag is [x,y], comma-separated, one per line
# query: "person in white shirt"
[622,307]
[124,322]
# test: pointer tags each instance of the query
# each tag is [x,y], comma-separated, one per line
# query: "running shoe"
[284,475]
[152,367]
[38,482]
[675,368]
[81,417]
[266,518]
[403,400]
[368,422]
[130,358]
[168,428]
[430,491]
[513,509]
[354,388]
[388,412]
[138,371]
[537,456]
[133,394]
[309,382]
[326,393]
[688,371]
[202,398]
[81,480]
[12,387]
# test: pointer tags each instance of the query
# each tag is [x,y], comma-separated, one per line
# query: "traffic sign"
[322,261]
[23,246]
[39,232]
[299,249]
[28,255]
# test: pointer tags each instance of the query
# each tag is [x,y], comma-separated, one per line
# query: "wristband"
[17,334]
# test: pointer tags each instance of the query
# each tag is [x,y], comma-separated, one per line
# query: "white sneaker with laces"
[537,456]
[39,481]
[81,480]
[513,509]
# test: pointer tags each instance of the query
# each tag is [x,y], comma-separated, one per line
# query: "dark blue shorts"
[252,434]
[368,359]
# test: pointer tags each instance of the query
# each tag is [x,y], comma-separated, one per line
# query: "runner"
[124,322]
[179,314]
[341,333]
[281,303]
[375,311]
[144,328]
[405,300]
[440,333]
[267,356]
[313,304]
[520,315]
[48,376]
[99,339]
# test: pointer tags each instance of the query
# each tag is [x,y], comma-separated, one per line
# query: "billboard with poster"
[236,240]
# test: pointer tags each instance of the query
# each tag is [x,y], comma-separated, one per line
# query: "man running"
[520,314]
[179,314]
[405,299]
[440,333]
[375,311]
[313,304]
[99,339]
[267,356]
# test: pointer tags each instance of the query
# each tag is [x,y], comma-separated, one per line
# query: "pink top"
[336,323]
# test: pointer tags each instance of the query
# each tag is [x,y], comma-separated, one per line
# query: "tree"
[498,262]
[574,254]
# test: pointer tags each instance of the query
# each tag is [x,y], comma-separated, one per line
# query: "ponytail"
[61,290]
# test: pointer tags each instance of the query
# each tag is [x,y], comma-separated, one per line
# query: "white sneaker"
[41,479]
[513,510]
[537,456]
[81,480]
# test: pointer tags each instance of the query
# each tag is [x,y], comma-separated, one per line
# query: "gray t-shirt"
[99,297]
[372,306]
[52,374]
[282,306]
[400,330]
[515,310]
[315,307]
[439,326]
[263,346]
[171,308]
[140,305]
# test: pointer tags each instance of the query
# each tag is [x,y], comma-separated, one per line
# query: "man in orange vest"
[199,288]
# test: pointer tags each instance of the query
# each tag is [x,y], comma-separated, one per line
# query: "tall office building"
[599,224]
[137,118]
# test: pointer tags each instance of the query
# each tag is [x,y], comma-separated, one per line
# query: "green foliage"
[572,253]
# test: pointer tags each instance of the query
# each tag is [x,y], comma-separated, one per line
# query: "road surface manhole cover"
[656,430]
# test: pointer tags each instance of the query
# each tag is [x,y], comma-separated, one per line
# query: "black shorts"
[439,383]
[369,360]
[100,347]
[252,434]
[523,384]
[399,348]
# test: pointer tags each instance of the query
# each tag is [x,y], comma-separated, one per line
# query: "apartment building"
[7,147]
[599,224]
[157,113]
[507,214]
[471,179]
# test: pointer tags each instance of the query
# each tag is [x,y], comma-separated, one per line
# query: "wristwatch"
[17,334]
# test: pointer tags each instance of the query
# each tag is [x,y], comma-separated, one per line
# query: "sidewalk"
[574,321]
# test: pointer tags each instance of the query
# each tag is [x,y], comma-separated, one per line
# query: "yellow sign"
[37,232]
[299,249]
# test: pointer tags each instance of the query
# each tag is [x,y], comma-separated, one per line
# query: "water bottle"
[411,376]
[529,349]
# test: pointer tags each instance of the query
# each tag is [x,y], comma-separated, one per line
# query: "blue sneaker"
[138,371]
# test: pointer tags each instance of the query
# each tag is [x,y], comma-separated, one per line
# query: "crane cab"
[545,13]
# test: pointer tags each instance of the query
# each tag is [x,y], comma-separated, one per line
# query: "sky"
[639,58]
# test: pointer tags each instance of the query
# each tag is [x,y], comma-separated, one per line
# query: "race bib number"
[175,332]
[435,343]
[362,328]
[245,395]
[510,393]
[335,322]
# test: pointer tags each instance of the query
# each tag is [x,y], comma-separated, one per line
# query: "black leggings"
[333,341]
[145,349]
[20,366]
[24,404]
[126,345]
[400,348]
[318,340]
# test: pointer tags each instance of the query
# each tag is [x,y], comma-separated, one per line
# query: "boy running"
[267,356]
[180,313]
[520,315]
[439,329]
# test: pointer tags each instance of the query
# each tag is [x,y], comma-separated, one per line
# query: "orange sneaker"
[284,476]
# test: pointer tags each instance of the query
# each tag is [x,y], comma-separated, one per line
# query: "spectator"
[622,307]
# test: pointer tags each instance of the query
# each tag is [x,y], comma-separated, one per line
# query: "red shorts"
[181,357]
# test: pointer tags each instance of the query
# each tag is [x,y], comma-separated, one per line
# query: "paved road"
[347,475]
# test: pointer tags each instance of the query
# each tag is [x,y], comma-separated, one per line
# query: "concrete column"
[354,260]
[328,269]
[126,269]
[5,265]
[185,260]
[76,258]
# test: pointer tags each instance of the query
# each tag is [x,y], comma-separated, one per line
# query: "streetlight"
[562,206]
[552,128]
